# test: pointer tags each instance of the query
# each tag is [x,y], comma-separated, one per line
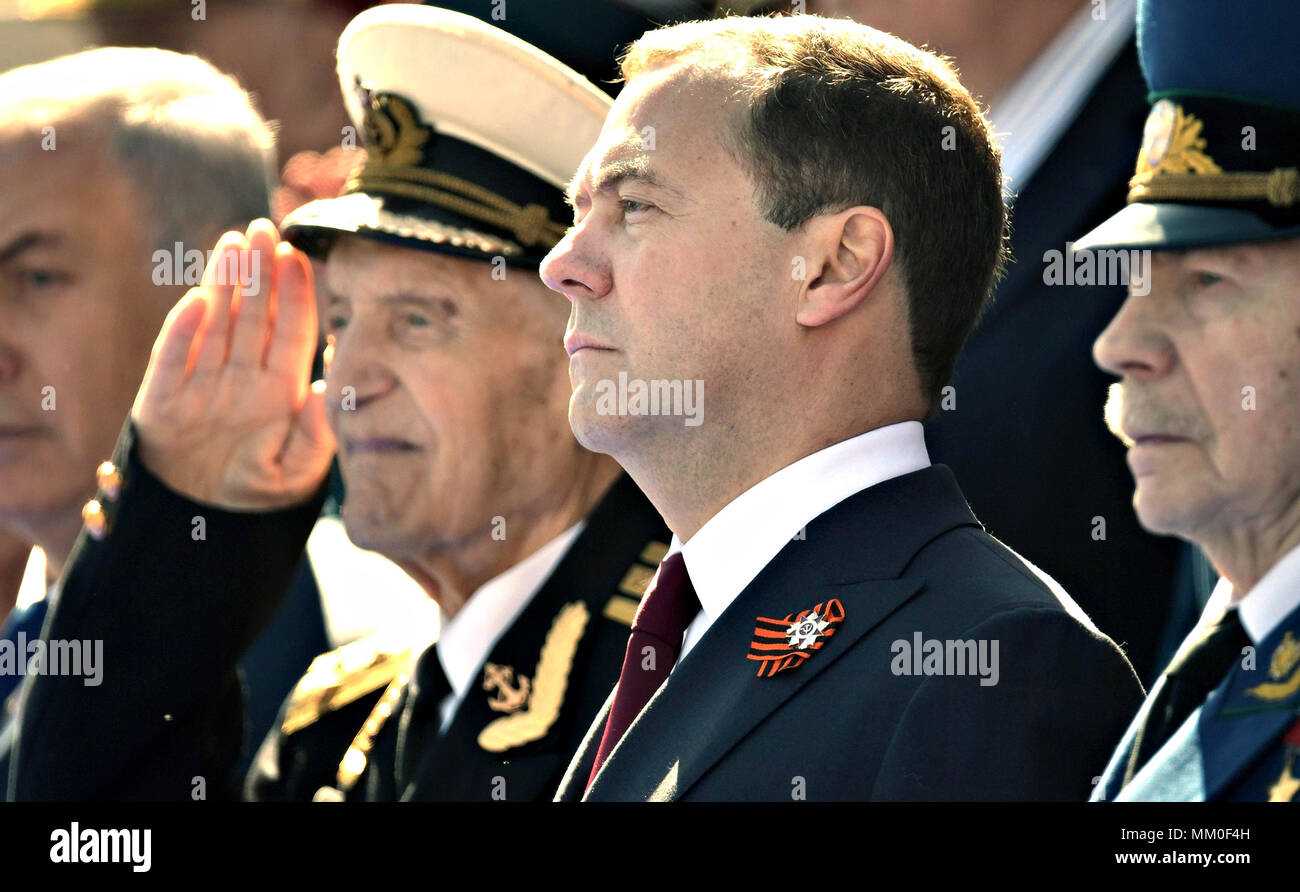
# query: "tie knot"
[670,602]
[1206,661]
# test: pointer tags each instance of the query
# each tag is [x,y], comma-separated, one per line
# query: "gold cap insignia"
[393,131]
[1172,143]
[1173,165]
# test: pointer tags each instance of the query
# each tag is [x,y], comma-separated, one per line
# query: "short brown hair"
[838,115]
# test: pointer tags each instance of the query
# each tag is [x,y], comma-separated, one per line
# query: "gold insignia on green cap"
[1174,165]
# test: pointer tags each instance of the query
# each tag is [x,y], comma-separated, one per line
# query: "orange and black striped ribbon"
[771,646]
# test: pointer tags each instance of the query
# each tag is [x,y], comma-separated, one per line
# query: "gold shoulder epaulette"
[622,606]
[341,676]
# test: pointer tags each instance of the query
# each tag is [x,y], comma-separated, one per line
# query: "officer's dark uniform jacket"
[177,590]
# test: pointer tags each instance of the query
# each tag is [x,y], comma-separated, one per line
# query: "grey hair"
[188,135]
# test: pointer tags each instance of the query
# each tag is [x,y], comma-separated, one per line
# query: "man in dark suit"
[446,395]
[109,186]
[805,215]
[1207,349]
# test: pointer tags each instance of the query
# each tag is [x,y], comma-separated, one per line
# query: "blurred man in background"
[1208,401]
[118,167]
[447,390]
[1020,426]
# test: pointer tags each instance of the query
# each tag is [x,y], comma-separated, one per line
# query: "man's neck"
[451,575]
[689,488]
[55,533]
[1244,555]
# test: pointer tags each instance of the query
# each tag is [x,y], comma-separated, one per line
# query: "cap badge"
[394,132]
[1172,143]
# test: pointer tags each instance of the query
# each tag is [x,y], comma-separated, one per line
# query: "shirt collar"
[725,554]
[468,637]
[1273,597]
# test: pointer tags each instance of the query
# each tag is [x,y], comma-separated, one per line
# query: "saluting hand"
[227,413]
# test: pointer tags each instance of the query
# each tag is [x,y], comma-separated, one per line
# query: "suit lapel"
[701,732]
[714,697]
[574,783]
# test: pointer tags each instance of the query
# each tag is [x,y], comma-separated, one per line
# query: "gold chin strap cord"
[531,224]
[1279,187]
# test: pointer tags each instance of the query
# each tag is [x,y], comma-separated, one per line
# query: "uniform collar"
[1272,598]
[469,636]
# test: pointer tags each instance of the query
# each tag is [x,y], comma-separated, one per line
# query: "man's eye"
[40,278]
[1205,280]
[632,206]
[337,323]
[415,320]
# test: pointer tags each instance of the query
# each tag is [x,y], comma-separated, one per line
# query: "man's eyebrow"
[26,241]
[439,302]
[1229,256]
[615,172]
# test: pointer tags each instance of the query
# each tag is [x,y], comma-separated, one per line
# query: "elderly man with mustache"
[445,392]
[1209,395]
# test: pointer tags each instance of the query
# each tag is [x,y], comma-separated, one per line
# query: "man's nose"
[10,364]
[1134,343]
[356,372]
[577,267]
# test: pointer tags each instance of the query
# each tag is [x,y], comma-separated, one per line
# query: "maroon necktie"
[668,608]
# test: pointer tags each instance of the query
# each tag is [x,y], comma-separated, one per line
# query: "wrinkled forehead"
[360,269]
[1252,261]
[60,179]
[359,266]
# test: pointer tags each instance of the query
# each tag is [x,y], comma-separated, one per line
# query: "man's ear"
[856,248]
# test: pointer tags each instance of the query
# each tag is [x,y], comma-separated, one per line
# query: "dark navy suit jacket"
[903,557]
[1027,438]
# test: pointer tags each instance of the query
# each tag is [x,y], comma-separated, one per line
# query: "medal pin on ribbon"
[781,644]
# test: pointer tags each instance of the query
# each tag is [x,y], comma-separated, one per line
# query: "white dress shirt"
[725,555]
[1263,607]
[33,586]
[1035,111]
[469,636]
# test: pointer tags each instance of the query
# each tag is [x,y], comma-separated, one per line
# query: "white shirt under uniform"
[467,638]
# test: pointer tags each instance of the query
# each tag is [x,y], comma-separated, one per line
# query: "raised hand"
[227,414]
